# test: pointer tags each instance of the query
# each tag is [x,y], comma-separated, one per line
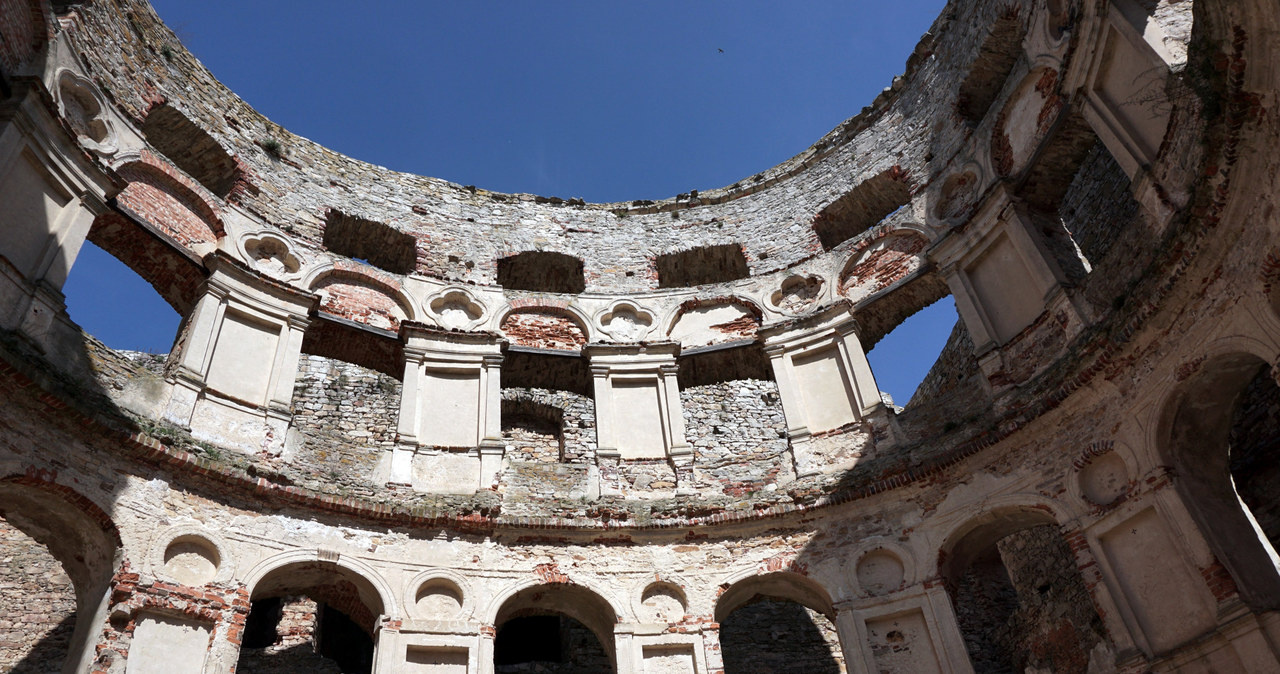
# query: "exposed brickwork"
[543,330]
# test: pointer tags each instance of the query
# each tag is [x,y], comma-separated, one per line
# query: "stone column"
[452,399]
[824,379]
[238,358]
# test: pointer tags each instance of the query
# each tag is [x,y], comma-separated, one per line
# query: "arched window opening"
[37,605]
[902,359]
[778,622]
[191,149]
[548,643]
[862,208]
[60,556]
[115,304]
[543,272]
[772,635]
[1019,599]
[1082,200]
[996,58]
[699,266]
[554,628]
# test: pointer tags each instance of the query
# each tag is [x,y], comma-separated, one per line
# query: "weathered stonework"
[660,447]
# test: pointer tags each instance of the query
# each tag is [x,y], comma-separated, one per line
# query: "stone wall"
[739,436]
[773,636]
[344,420]
[37,606]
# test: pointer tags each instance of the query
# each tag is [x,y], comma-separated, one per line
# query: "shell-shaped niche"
[1105,479]
[882,264]
[625,321]
[191,559]
[271,254]
[456,309]
[663,602]
[85,111]
[543,328]
[880,572]
[797,294]
[705,322]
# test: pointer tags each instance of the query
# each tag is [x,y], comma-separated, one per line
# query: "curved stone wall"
[390,437]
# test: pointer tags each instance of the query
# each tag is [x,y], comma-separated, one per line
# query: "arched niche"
[1012,577]
[545,327]
[703,322]
[335,603]
[883,262]
[1026,120]
[362,298]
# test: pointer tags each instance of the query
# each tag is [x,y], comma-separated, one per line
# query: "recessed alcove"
[542,271]
[700,266]
[374,242]
[191,148]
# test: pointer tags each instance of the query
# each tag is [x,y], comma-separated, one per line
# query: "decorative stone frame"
[69,81]
[1134,142]
[650,368]
[824,351]
[433,358]
[973,271]
[935,610]
[242,323]
[283,250]
[634,330]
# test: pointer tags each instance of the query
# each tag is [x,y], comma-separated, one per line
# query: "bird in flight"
[721,50]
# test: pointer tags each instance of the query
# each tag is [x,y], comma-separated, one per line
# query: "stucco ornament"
[456,309]
[271,254]
[625,321]
[797,294]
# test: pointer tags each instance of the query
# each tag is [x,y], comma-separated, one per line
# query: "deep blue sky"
[607,101]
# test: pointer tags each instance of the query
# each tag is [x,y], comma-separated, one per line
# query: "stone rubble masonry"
[1080,466]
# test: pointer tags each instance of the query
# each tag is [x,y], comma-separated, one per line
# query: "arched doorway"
[1018,596]
[1218,433]
[554,627]
[313,616]
[61,560]
[778,622]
